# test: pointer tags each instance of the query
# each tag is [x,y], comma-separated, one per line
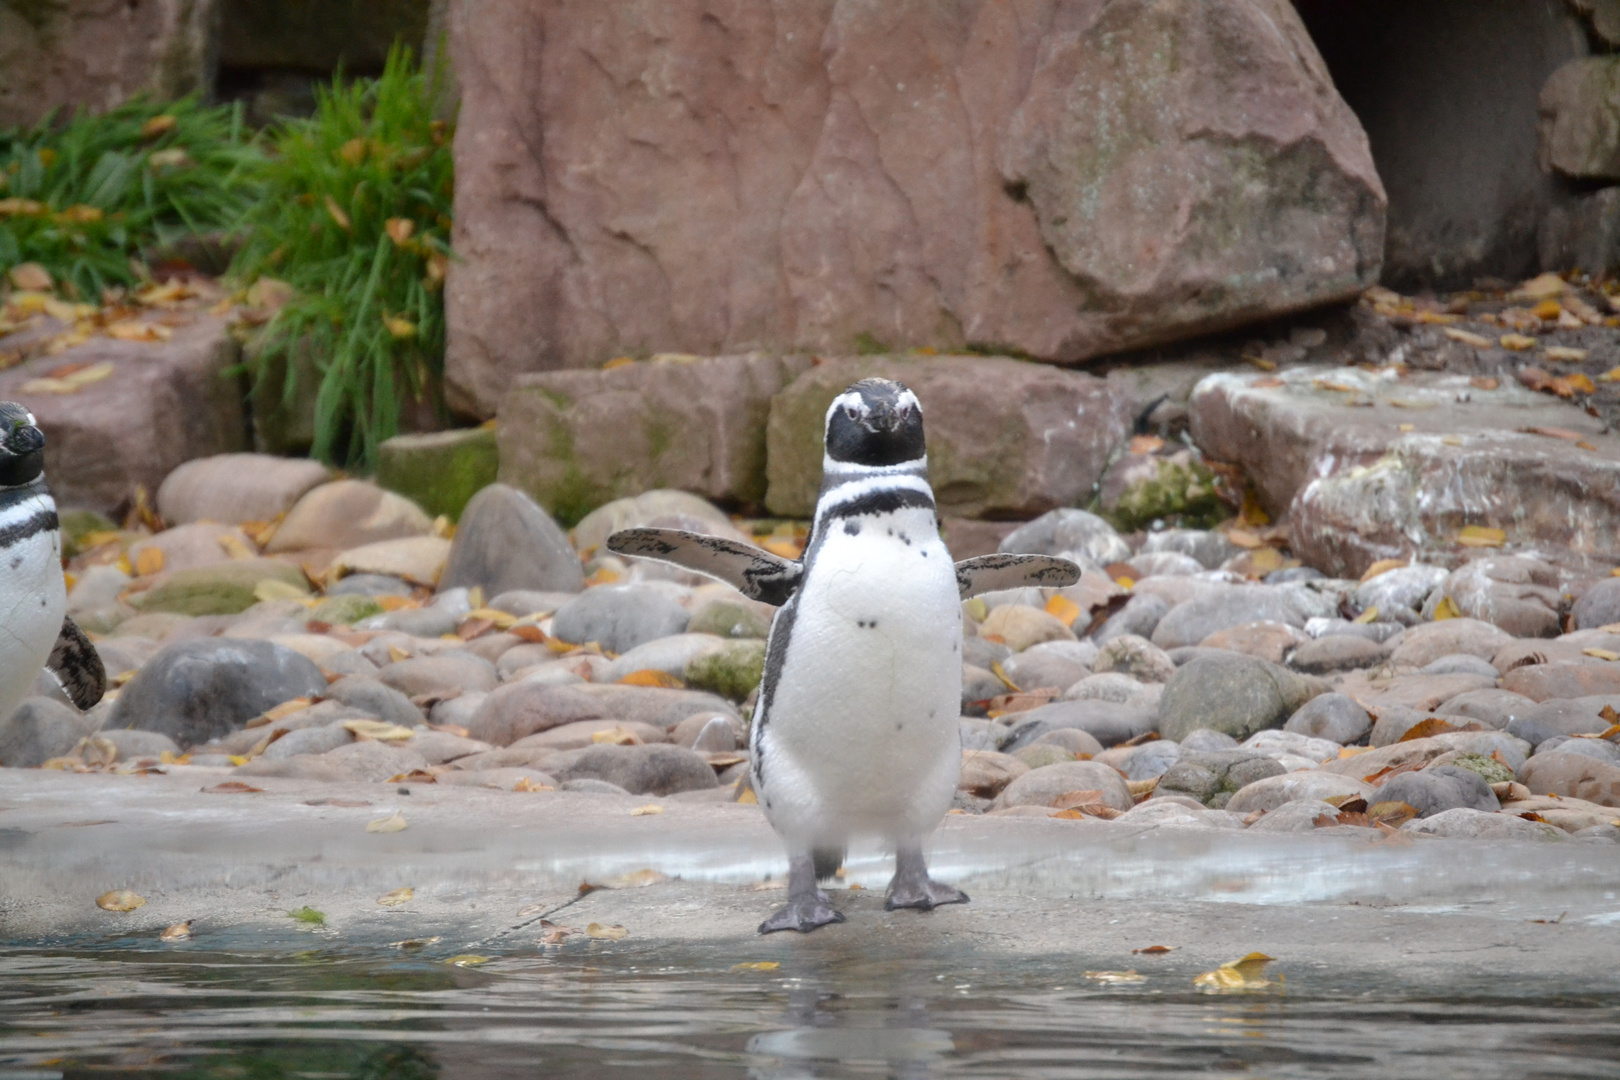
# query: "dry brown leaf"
[119,900]
[232,787]
[1391,813]
[1478,341]
[1516,342]
[606,933]
[393,824]
[380,730]
[180,931]
[1155,950]
[1564,354]
[397,897]
[399,230]
[652,677]
[1434,725]
[1540,288]
[1481,536]
[647,811]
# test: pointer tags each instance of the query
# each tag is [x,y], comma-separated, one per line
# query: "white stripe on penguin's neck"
[850,490]
[833,468]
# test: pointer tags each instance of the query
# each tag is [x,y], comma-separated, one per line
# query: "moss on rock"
[732,671]
[226,588]
[1179,494]
[1493,771]
[442,471]
[345,610]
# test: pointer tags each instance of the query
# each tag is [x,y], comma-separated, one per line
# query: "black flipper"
[992,573]
[77,666]
[754,572]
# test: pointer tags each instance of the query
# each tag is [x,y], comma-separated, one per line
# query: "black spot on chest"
[852,528]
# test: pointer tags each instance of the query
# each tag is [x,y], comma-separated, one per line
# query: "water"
[650,1012]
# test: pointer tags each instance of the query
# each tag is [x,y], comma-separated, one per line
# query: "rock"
[419,560]
[1488,769]
[1394,721]
[982,653]
[733,669]
[1060,531]
[40,729]
[1518,595]
[664,508]
[1579,136]
[1296,816]
[187,547]
[738,618]
[576,440]
[1366,490]
[522,708]
[193,691]
[1039,787]
[1466,823]
[347,514]
[1494,708]
[1337,652]
[712,733]
[506,543]
[298,767]
[1043,272]
[1222,607]
[225,588]
[381,701]
[1439,788]
[640,770]
[1583,230]
[1574,776]
[310,740]
[1460,664]
[669,655]
[1424,693]
[1564,716]
[372,761]
[236,488]
[525,602]
[1422,751]
[61,56]
[1206,741]
[1284,745]
[1041,441]
[1114,686]
[1146,761]
[1334,717]
[985,774]
[1081,744]
[506,779]
[1234,694]
[345,610]
[1401,591]
[1270,792]
[1130,655]
[1041,755]
[120,655]
[582,733]
[1019,627]
[1425,644]
[619,617]
[1598,605]
[1565,679]
[1213,778]
[1270,641]
[1139,617]
[439,471]
[1168,813]
[588,786]
[369,585]
[1209,548]
[98,588]
[430,674]
[1058,664]
[1108,723]
[132,744]
[1164,564]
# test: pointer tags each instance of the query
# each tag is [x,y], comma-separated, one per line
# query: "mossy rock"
[226,588]
[1180,494]
[728,619]
[75,525]
[1041,755]
[1493,771]
[732,671]
[345,610]
[441,471]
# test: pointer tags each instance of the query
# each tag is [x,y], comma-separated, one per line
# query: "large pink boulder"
[1058,178]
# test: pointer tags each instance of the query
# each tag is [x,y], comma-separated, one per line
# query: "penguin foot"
[925,895]
[803,914]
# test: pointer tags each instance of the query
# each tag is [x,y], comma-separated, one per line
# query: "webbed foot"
[913,888]
[803,914]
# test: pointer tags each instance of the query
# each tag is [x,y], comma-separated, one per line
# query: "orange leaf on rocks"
[1434,725]
[1063,609]
[1581,382]
[1541,287]
[1155,950]
[119,900]
[1392,813]
[530,633]
[1484,382]
[1516,342]
[381,730]
[149,561]
[653,677]
[1446,609]
[136,330]
[1612,375]
[1481,536]
[1382,566]
[70,383]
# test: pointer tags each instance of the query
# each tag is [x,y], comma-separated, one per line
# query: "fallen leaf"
[1478,341]
[337,213]
[232,787]
[387,824]
[647,811]
[1112,977]
[137,330]
[1547,310]
[1564,353]
[149,561]
[1612,375]
[468,960]
[606,933]
[1245,974]
[180,931]
[412,944]
[1155,950]
[636,879]
[400,327]
[1146,444]
[1484,382]
[119,900]
[70,384]
[31,276]
[1368,616]
[397,897]
[1434,725]
[1541,287]
[271,589]
[1391,813]
[158,125]
[1481,536]
[1446,609]
[747,797]
[1601,654]
[380,730]
[1516,342]
[1063,609]
[237,548]
[399,230]
[1581,382]
[1382,566]
[1244,538]
[652,677]
[555,935]
[757,965]
[1405,428]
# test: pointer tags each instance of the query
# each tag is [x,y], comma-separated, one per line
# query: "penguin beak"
[884,417]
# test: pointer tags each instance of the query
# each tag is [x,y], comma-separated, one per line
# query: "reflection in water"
[649,1012]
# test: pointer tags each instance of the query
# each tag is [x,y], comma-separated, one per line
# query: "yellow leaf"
[397,897]
[651,677]
[757,965]
[136,330]
[1565,353]
[31,276]
[337,213]
[1601,654]
[1382,566]
[1063,609]
[353,152]
[748,798]
[387,824]
[1125,583]
[1368,616]
[381,730]
[1405,427]
[1582,382]
[274,589]
[180,931]
[636,879]
[149,561]
[71,383]
[396,654]
[1542,287]
[1446,609]
[647,811]
[1243,974]
[119,900]
[501,619]
[1478,341]
[1548,310]
[157,125]
[619,362]
[438,265]
[1517,342]
[606,933]
[399,327]
[237,548]
[1114,976]
[399,229]
[1612,375]
[1481,536]
[468,960]
[81,215]
[997,670]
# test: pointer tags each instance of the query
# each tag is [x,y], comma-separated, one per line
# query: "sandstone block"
[440,471]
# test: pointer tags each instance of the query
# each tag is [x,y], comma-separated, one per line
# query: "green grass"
[308,915]
[356,218]
[87,198]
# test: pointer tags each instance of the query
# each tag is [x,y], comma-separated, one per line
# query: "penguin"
[35,632]
[855,731]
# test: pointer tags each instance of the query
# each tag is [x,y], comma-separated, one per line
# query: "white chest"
[33,599]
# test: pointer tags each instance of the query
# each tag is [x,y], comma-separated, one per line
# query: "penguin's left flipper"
[77,666]
[992,573]
[754,572]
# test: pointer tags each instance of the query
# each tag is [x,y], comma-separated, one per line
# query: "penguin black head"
[875,423]
[22,446]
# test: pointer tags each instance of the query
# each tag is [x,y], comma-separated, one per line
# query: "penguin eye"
[852,412]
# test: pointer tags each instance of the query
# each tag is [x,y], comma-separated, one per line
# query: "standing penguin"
[856,732]
[35,631]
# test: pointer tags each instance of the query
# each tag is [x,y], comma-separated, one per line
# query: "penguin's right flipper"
[77,666]
[992,573]
[754,572]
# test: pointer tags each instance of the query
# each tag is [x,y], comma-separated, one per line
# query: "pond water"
[644,1011]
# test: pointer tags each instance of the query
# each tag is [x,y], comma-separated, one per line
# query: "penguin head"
[22,446]
[875,423]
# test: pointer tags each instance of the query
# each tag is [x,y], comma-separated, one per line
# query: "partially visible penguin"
[856,731]
[35,631]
